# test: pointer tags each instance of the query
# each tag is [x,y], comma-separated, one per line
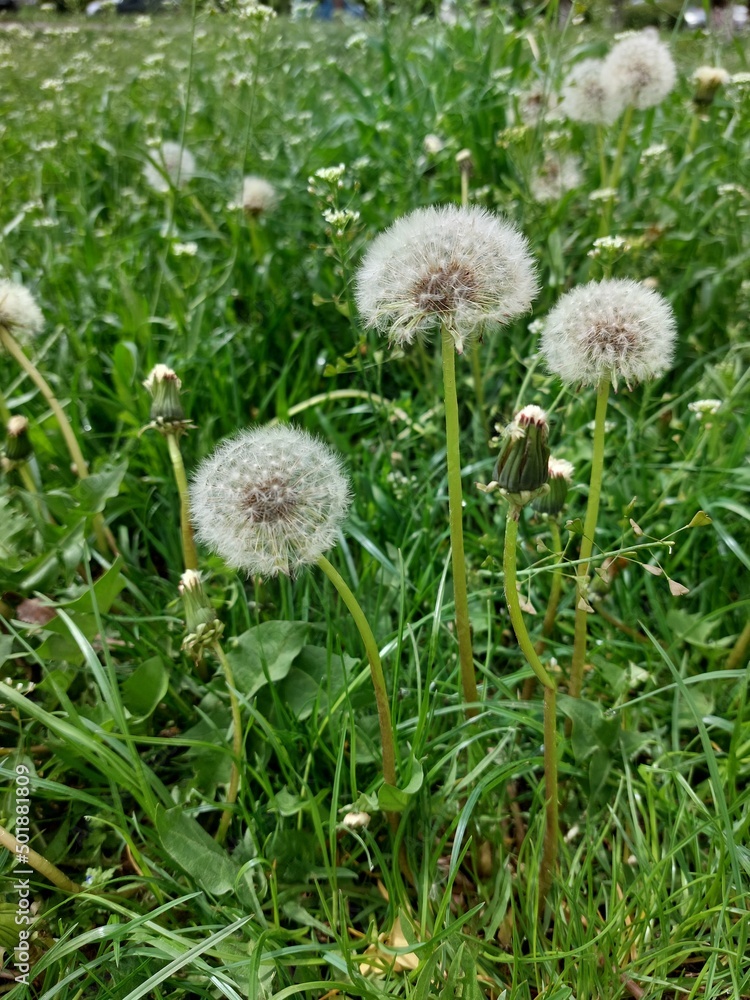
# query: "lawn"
[545,791]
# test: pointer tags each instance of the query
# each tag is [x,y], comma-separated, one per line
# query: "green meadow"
[211,820]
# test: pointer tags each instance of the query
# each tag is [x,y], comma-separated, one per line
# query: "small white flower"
[19,313]
[587,95]
[704,407]
[603,194]
[433,144]
[640,69]
[616,328]
[340,218]
[462,267]
[270,500]
[188,249]
[655,151]
[258,195]
[330,174]
[741,79]
[176,163]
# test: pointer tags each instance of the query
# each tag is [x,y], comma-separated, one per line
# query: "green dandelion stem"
[455,507]
[587,542]
[189,551]
[237,754]
[550,615]
[376,669]
[37,862]
[104,536]
[552,821]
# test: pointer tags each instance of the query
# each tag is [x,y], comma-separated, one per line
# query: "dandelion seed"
[609,329]
[270,500]
[258,195]
[587,95]
[462,267]
[177,163]
[640,69]
[19,313]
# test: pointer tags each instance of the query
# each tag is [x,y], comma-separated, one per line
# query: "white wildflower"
[655,151]
[587,95]
[610,329]
[172,165]
[704,407]
[433,144]
[258,195]
[189,249]
[340,217]
[19,313]
[603,194]
[640,69]
[330,174]
[270,500]
[462,267]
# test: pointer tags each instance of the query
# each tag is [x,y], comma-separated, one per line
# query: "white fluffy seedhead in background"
[640,69]
[174,161]
[258,195]
[462,267]
[587,95]
[556,176]
[270,500]
[19,313]
[616,328]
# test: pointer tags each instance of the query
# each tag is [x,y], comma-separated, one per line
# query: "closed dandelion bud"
[201,621]
[522,466]
[167,414]
[17,443]
[707,80]
[560,478]
[465,161]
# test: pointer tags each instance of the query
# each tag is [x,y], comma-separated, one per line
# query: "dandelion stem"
[614,177]
[587,542]
[189,552]
[376,669]
[455,507]
[37,861]
[687,153]
[103,534]
[550,614]
[551,828]
[738,652]
[234,779]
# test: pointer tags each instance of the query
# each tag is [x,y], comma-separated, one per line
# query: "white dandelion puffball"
[616,328]
[556,176]
[19,313]
[462,267]
[270,500]
[258,195]
[173,160]
[640,69]
[587,95]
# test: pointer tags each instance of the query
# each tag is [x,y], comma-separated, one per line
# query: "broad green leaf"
[316,677]
[392,799]
[195,851]
[265,652]
[93,492]
[145,687]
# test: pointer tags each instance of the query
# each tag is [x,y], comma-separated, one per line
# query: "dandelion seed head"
[258,195]
[640,69]
[174,161]
[587,95]
[19,313]
[462,267]
[616,328]
[270,500]
[557,175]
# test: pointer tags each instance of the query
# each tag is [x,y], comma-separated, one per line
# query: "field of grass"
[129,745]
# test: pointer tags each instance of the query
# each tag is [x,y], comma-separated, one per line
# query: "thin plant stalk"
[587,542]
[738,652]
[234,779]
[551,828]
[687,153]
[38,862]
[550,615]
[455,507]
[189,551]
[614,177]
[376,669]
[103,534]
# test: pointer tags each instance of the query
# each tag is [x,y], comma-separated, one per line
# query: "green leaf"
[392,799]
[145,687]
[700,520]
[591,731]
[317,677]
[265,653]
[93,492]
[195,851]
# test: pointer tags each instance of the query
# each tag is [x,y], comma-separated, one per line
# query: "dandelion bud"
[270,500]
[19,313]
[356,820]
[523,464]
[707,80]
[560,478]
[465,161]
[201,621]
[17,443]
[166,408]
